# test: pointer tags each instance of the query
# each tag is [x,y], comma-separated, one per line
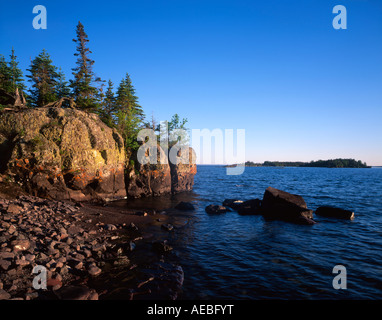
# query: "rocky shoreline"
[82,246]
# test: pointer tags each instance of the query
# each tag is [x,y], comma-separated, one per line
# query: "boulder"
[250,207]
[281,205]
[333,212]
[61,154]
[234,204]
[185,206]
[215,209]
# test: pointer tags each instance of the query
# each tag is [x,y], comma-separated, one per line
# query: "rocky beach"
[82,246]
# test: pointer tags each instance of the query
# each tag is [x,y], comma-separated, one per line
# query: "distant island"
[332,163]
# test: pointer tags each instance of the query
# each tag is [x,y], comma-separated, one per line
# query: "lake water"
[229,256]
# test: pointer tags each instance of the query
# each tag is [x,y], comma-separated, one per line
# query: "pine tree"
[16,73]
[108,109]
[62,87]
[5,76]
[126,98]
[129,113]
[44,77]
[85,93]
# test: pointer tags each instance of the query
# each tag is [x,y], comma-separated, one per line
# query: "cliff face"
[62,154]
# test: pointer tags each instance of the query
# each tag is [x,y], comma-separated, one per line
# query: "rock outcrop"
[182,173]
[156,179]
[144,180]
[62,154]
[281,205]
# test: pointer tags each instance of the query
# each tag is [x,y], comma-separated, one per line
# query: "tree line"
[332,163]
[118,108]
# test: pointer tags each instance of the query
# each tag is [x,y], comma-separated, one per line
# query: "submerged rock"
[235,204]
[250,207]
[333,212]
[215,209]
[185,206]
[281,205]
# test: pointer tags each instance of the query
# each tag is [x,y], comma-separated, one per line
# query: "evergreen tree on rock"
[44,79]
[16,73]
[83,86]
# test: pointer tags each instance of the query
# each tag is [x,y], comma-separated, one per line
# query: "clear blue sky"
[301,89]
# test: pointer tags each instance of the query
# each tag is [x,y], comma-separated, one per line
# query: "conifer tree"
[126,98]
[62,86]
[85,93]
[16,73]
[108,110]
[129,113]
[44,77]
[5,76]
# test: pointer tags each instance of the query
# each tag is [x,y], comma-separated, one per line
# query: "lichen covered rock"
[62,154]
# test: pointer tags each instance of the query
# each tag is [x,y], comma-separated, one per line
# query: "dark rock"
[110,227]
[161,247]
[185,206]
[215,209]
[74,293]
[281,205]
[250,207]
[167,227]
[333,212]
[235,204]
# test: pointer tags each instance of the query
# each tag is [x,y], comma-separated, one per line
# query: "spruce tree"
[108,109]
[85,93]
[5,76]
[44,79]
[16,73]
[126,98]
[129,113]
[62,86]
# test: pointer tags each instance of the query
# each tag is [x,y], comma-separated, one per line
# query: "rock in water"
[281,205]
[332,212]
[250,207]
[214,209]
[185,206]
[62,153]
[235,204]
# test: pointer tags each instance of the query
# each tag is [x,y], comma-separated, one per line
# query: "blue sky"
[278,69]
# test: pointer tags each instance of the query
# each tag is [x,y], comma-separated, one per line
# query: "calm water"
[230,256]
